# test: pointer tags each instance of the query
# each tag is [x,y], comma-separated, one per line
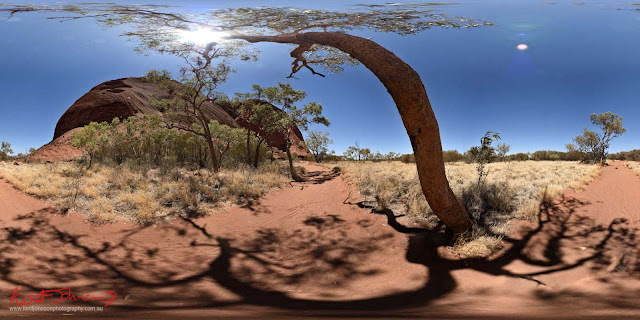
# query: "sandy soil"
[308,250]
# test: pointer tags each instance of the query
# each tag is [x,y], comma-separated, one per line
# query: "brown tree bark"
[256,159]
[292,169]
[207,136]
[407,90]
[248,146]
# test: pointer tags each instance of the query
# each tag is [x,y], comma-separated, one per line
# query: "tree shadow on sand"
[201,269]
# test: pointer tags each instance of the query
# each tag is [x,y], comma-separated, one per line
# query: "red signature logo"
[63,294]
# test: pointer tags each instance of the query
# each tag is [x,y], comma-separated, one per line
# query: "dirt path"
[307,251]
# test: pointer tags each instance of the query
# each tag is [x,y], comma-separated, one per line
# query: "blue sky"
[580,59]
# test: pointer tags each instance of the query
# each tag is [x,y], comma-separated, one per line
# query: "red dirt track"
[309,251]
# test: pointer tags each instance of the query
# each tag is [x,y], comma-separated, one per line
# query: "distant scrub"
[356,153]
[5,151]
[147,140]
[542,155]
[452,156]
[633,155]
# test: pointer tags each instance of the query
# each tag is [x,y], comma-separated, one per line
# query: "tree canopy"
[322,38]
[594,145]
[162,28]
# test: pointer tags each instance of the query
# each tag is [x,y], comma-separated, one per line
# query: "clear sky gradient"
[580,59]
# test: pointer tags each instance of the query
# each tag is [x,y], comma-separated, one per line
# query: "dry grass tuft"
[634,165]
[107,194]
[513,190]
[477,245]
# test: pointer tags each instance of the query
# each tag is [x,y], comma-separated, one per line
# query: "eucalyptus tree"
[501,150]
[262,119]
[5,151]
[285,96]
[594,145]
[353,152]
[323,38]
[186,109]
[588,143]
[611,126]
[318,143]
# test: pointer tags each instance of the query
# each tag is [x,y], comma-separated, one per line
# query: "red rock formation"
[123,98]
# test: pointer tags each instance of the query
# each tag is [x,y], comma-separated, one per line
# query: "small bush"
[513,190]
[476,245]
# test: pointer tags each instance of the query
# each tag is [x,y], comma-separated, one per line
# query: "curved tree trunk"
[407,90]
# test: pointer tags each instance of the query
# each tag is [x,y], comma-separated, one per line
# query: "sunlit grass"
[512,190]
[143,195]
[634,165]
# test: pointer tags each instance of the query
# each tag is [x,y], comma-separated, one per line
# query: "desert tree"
[392,156]
[611,126]
[92,138]
[594,145]
[364,154]
[264,117]
[588,143]
[484,154]
[5,151]
[223,138]
[501,150]
[352,152]
[570,147]
[377,156]
[146,139]
[322,38]
[318,144]
[260,116]
[285,96]
[186,110]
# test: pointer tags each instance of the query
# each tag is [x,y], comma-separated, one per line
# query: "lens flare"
[201,36]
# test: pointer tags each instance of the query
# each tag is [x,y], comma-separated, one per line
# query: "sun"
[201,36]
[522,47]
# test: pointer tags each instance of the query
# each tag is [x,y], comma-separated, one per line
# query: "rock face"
[123,98]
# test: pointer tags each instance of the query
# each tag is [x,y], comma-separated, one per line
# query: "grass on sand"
[634,165]
[512,190]
[143,195]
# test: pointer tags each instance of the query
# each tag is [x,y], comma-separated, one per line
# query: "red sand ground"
[309,251]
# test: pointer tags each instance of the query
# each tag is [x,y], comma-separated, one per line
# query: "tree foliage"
[501,150]
[595,145]
[484,154]
[318,143]
[312,32]
[262,120]
[5,151]
[147,140]
[289,117]
[357,153]
[160,29]
[186,108]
